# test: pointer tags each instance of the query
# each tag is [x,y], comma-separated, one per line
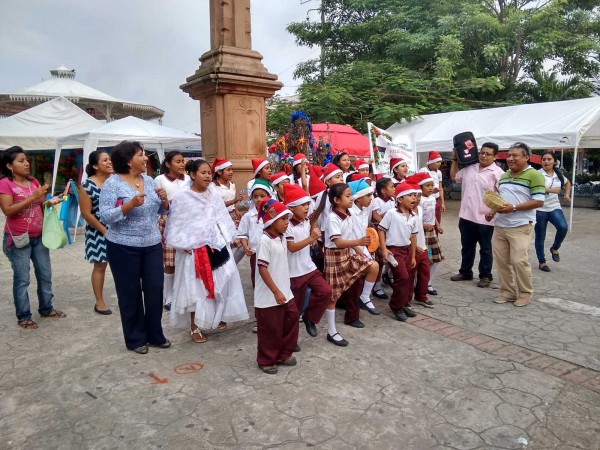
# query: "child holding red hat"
[398,236]
[301,233]
[276,315]
[434,162]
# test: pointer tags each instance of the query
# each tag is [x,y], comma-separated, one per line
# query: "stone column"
[232,86]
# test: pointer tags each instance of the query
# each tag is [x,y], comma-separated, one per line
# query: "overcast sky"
[137,50]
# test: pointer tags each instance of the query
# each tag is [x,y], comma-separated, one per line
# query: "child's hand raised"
[315,233]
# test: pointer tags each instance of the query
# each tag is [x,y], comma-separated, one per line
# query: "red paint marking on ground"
[187,368]
[157,379]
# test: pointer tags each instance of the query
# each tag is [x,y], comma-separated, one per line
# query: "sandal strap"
[196,331]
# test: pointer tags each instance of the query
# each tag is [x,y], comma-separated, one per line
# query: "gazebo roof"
[63,84]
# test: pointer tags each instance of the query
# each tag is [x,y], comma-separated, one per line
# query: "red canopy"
[342,138]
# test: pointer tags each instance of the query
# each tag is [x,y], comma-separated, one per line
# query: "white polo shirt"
[338,225]
[381,206]
[421,233]
[227,193]
[172,186]
[250,229]
[299,263]
[272,254]
[398,228]
[436,175]
[360,221]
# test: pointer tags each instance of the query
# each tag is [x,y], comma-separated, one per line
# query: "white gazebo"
[62,84]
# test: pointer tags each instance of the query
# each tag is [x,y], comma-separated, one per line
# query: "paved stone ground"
[468,374]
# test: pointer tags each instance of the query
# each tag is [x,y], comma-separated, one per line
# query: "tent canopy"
[38,128]
[566,124]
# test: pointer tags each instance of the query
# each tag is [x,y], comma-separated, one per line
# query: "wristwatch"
[514,208]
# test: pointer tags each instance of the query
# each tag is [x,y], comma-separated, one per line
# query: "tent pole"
[55,168]
[573,190]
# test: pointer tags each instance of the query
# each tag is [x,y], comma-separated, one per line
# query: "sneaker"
[484,282]
[503,299]
[555,255]
[544,267]
[522,300]
[460,277]
[380,294]
[288,362]
[427,304]
[271,370]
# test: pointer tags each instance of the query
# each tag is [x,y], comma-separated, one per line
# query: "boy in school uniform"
[276,314]
[398,236]
[278,181]
[384,187]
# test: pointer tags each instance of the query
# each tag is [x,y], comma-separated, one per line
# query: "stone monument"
[232,86]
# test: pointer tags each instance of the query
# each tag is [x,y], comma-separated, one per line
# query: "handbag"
[217,258]
[53,234]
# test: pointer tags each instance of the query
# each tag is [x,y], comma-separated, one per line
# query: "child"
[434,162]
[361,166]
[299,172]
[382,204]
[398,236]
[276,316]
[207,283]
[250,229]
[261,170]
[278,181]
[430,224]
[172,179]
[342,267]
[399,170]
[222,176]
[419,277]
[301,233]
[362,194]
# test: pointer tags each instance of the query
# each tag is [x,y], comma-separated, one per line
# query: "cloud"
[136,50]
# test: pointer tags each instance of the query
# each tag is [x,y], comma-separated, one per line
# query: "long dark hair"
[8,157]
[340,155]
[193,165]
[557,171]
[168,158]
[92,161]
[336,191]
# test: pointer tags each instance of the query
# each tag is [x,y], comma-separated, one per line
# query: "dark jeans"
[137,272]
[20,259]
[471,234]
[556,218]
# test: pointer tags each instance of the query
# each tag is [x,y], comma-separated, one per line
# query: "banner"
[384,148]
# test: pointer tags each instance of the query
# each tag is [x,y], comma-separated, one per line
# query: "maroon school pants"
[349,299]
[320,294]
[401,289]
[421,272]
[277,331]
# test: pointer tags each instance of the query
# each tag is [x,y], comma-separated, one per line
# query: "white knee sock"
[168,288]
[365,296]
[432,269]
[330,316]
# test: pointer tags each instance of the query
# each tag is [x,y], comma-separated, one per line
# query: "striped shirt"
[528,185]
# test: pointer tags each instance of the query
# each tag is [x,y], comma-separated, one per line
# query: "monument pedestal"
[232,86]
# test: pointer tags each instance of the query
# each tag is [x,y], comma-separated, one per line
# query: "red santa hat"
[419,178]
[403,189]
[298,159]
[294,195]
[315,171]
[278,178]
[315,186]
[330,170]
[257,164]
[395,162]
[433,157]
[361,164]
[220,164]
[270,210]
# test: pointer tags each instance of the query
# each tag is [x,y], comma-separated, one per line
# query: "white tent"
[40,127]
[571,124]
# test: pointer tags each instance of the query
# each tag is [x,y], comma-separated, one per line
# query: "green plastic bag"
[53,234]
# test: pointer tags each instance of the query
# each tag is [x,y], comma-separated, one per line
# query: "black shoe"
[166,344]
[342,343]
[372,310]
[431,291]
[544,267]
[297,348]
[484,282]
[460,277]
[555,255]
[356,324]
[167,307]
[380,294]
[386,279]
[103,312]
[141,350]
[311,328]
[409,312]
[400,315]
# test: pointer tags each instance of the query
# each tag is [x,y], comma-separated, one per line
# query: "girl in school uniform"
[261,170]
[399,170]
[342,160]
[278,181]
[276,313]
[342,267]
[222,179]
[398,236]
[172,179]
[362,166]
[300,234]
[207,283]
[300,175]
[384,187]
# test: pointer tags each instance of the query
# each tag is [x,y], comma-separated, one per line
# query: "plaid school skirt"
[343,268]
[168,252]
[433,245]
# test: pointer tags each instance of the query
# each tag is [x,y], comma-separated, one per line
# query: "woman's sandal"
[197,336]
[55,313]
[28,324]
[222,326]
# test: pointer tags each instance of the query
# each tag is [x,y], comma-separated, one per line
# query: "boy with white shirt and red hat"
[278,180]
[434,162]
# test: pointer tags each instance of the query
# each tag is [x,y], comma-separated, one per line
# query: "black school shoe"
[297,348]
[400,315]
[431,291]
[385,278]
[342,343]
[311,328]
[356,324]
[379,294]
[409,312]
[372,310]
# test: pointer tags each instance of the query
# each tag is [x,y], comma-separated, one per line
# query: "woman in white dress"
[207,283]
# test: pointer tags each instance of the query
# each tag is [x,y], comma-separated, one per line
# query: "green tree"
[548,87]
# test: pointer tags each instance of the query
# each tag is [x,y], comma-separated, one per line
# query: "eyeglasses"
[486,155]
